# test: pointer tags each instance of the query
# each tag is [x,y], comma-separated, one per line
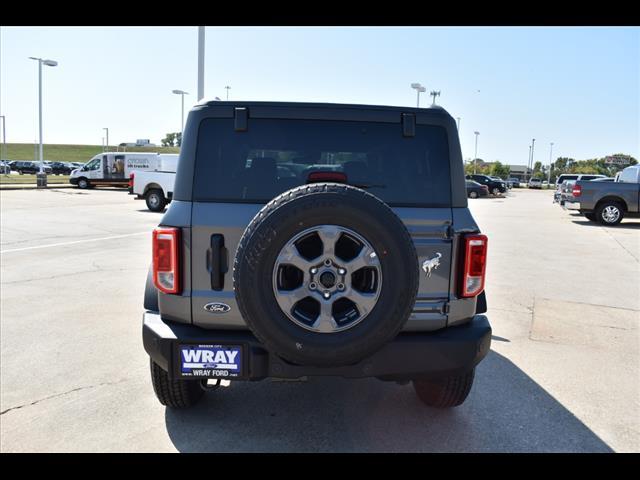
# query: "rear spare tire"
[325,275]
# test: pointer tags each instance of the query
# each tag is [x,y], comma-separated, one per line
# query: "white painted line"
[77,241]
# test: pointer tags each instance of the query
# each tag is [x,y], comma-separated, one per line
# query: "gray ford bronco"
[317,239]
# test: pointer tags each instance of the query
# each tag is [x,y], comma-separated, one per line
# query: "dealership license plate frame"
[215,373]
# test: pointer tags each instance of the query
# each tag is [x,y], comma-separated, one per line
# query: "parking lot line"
[74,242]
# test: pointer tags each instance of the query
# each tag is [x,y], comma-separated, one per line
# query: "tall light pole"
[526,170]
[434,94]
[475,159]
[48,63]
[419,89]
[200,63]
[533,144]
[107,144]
[182,93]
[227,88]
[4,137]
[550,155]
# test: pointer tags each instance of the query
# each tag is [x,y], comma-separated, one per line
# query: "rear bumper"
[450,351]
[571,205]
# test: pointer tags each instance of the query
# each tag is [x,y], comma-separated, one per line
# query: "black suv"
[31,167]
[496,187]
[60,168]
[317,239]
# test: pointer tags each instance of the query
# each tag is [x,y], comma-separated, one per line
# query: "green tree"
[169,140]
[499,170]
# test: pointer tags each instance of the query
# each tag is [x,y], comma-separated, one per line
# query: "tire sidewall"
[276,330]
[601,209]
[159,206]
[83,183]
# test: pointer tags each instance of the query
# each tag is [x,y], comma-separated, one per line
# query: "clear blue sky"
[576,87]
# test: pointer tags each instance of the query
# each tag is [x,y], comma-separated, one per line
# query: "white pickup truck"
[156,186]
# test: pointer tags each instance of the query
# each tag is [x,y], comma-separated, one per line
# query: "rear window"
[276,155]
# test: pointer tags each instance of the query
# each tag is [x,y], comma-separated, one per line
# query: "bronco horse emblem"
[431,264]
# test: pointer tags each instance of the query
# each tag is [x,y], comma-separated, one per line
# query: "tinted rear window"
[276,155]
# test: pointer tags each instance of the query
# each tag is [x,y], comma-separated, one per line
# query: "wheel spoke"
[364,301]
[329,235]
[366,258]
[288,298]
[325,322]
[290,256]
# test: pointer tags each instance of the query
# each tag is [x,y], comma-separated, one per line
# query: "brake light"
[131,179]
[577,190]
[166,261]
[327,177]
[475,263]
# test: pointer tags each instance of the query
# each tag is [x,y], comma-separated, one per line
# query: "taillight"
[131,179]
[577,190]
[475,263]
[166,260]
[327,177]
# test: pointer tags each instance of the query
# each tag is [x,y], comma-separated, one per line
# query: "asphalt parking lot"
[563,373]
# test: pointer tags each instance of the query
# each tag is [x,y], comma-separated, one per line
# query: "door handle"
[217,261]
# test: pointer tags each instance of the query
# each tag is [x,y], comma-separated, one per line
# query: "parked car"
[31,167]
[605,179]
[577,176]
[113,168]
[513,182]
[475,190]
[12,164]
[60,168]
[496,187]
[156,187]
[535,183]
[258,276]
[608,202]
[5,168]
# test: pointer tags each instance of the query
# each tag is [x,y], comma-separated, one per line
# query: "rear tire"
[446,392]
[473,194]
[495,191]
[174,393]
[155,200]
[609,213]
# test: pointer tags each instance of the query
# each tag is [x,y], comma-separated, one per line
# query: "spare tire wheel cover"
[325,275]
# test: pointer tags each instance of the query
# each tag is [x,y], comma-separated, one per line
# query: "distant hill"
[68,153]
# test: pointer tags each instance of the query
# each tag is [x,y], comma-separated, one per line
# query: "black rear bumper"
[450,351]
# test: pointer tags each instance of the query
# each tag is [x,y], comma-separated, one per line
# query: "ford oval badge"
[217,307]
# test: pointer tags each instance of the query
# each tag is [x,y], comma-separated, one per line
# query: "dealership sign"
[617,160]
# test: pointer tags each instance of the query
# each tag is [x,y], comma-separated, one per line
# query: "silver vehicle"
[317,239]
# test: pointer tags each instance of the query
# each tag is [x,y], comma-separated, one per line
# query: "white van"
[113,168]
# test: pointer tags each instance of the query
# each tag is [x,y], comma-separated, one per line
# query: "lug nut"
[327,294]
[327,262]
[312,286]
[341,286]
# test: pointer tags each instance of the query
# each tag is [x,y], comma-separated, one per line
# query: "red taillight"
[166,260]
[577,190]
[131,179]
[475,263]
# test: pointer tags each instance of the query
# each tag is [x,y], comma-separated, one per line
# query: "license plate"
[211,361]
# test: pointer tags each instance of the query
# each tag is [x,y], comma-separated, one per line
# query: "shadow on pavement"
[505,411]
[621,226]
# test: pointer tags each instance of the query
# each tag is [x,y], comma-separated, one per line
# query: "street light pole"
[419,89]
[4,137]
[526,170]
[227,88]
[550,156]
[475,159]
[48,63]
[435,94]
[182,93]
[107,145]
[200,63]
[533,144]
